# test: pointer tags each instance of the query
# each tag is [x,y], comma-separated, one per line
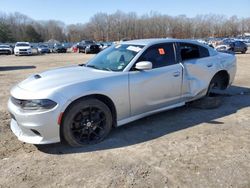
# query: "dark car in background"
[42,49]
[88,46]
[59,48]
[237,46]
[6,49]
[104,45]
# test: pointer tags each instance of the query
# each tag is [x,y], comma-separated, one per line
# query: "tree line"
[119,25]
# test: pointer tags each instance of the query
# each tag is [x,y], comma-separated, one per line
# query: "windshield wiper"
[99,68]
[106,68]
[93,66]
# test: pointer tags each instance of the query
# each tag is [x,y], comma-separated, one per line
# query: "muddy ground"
[184,147]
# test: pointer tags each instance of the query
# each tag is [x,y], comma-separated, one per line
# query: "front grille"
[22,50]
[4,51]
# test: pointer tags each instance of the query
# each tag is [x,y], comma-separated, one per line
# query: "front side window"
[159,55]
[115,58]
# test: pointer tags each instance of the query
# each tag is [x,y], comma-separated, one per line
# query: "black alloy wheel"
[87,122]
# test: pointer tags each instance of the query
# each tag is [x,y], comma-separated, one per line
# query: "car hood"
[5,48]
[43,48]
[62,77]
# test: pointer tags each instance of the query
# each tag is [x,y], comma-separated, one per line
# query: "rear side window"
[192,51]
[203,52]
[159,55]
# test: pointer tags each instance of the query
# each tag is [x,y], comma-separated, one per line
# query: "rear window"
[203,52]
[192,51]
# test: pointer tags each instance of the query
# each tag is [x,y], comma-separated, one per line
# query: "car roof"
[152,41]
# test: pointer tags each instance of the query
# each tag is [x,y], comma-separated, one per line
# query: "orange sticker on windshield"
[161,51]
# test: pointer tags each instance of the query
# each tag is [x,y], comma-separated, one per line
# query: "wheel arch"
[223,77]
[103,98]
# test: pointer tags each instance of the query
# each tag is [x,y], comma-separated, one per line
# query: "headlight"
[37,104]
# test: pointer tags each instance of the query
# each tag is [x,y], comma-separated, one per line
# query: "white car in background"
[5,49]
[22,48]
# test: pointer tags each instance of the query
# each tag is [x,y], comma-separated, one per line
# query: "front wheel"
[88,121]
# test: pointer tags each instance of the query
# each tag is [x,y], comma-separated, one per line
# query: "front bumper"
[35,127]
[5,52]
[23,53]
[44,51]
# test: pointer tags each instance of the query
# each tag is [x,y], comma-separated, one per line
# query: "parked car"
[224,48]
[22,48]
[88,46]
[59,48]
[234,46]
[128,81]
[42,49]
[74,48]
[104,45]
[5,49]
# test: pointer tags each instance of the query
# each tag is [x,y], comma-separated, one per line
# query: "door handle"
[176,74]
[209,65]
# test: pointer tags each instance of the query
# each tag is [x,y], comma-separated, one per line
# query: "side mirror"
[144,65]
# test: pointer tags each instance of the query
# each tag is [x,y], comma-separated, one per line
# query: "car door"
[199,68]
[158,87]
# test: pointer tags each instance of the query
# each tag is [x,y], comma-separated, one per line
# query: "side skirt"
[136,117]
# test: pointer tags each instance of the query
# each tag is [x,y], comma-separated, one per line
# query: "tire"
[244,51]
[88,121]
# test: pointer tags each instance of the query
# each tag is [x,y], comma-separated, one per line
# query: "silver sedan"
[125,82]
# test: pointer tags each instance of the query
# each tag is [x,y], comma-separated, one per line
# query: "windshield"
[115,58]
[43,46]
[88,42]
[22,44]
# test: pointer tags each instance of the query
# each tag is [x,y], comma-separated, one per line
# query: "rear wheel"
[244,51]
[88,121]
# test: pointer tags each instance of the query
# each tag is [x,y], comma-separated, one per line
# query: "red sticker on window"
[161,51]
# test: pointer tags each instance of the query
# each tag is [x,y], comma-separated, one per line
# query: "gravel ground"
[184,147]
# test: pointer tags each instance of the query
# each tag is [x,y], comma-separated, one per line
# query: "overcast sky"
[79,11]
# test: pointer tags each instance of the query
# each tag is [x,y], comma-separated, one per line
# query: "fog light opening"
[36,132]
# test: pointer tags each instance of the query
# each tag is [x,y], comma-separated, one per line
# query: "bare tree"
[119,25]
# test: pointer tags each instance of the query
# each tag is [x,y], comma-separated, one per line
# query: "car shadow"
[158,125]
[10,68]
